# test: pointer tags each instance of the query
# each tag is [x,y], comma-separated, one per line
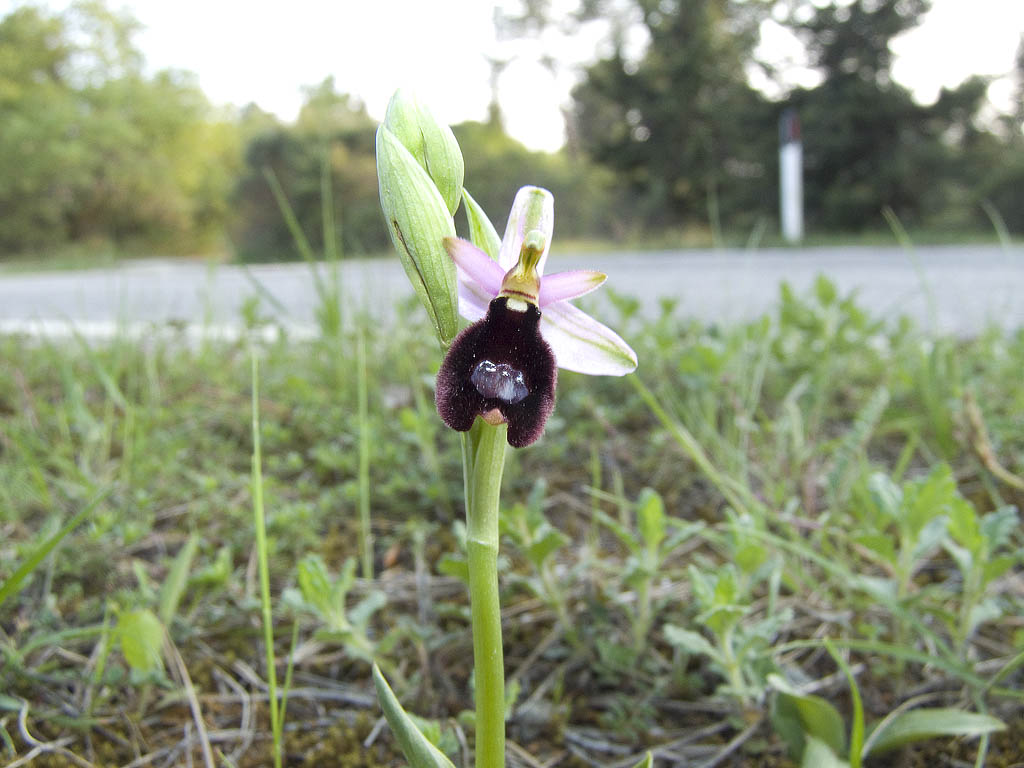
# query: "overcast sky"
[266,52]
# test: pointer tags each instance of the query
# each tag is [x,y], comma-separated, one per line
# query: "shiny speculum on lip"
[500,381]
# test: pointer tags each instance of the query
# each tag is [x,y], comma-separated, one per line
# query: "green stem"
[486,465]
[365,532]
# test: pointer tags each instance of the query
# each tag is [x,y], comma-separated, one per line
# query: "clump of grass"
[695,536]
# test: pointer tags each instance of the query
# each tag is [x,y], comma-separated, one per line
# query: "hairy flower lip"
[505,337]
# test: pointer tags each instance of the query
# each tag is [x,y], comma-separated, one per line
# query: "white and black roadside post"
[791,185]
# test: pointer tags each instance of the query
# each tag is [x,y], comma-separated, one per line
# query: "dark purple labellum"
[499,363]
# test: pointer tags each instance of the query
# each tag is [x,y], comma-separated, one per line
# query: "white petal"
[562,286]
[582,344]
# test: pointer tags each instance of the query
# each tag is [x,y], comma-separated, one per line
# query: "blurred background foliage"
[669,146]
[93,150]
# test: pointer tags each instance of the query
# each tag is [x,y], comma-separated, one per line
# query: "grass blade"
[857,726]
[177,579]
[260,522]
[365,533]
[922,724]
[14,583]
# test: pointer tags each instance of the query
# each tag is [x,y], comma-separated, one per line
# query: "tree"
[326,112]
[681,126]
[684,132]
[333,134]
[997,164]
[586,201]
[852,40]
[867,145]
[37,112]
[1017,116]
[92,148]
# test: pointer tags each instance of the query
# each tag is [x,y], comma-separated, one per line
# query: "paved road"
[957,289]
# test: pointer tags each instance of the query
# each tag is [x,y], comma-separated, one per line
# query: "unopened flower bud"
[419,220]
[431,142]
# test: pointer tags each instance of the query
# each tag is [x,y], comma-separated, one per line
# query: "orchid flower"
[503,366]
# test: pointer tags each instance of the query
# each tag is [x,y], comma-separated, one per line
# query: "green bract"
[419,220]
[415,745]
[431,142]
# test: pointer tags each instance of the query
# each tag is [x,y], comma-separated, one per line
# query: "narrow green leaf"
[921,724]
[106,379]
[417,749]
[880,588]
[177,579]
[1013,664]
[941,660]
[481,232]
[14,582]
[857,726]
[294,227]
[263,561]
[647,761]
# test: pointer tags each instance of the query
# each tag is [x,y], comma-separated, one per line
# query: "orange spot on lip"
[493,417]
